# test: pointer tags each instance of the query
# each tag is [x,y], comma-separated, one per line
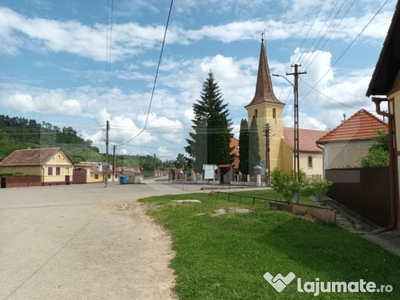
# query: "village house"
[346,144]
[92,172]
[51,164]
[385,83]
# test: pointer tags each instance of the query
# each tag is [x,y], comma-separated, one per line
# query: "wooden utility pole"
[107,129]
[267,150]
[296,147]
[114,166]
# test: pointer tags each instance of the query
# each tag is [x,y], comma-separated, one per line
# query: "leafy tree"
[287,184]
[210,142]
[378,153]
[244,147]
[180,161]
[254,145]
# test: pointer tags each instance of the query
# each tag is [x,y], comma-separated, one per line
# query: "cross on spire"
[262,36]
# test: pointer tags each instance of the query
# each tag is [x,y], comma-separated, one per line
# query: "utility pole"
[267,150]
[107,129]
[114,166]
[154,164]
[296,147]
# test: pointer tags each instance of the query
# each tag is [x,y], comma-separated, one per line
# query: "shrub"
[319,188]
[286,183]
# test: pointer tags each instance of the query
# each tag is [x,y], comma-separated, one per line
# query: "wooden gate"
[79,176]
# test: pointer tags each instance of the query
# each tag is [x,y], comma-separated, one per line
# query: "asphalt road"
[83,242]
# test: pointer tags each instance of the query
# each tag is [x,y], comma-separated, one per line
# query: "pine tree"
[210,142]
[244,147]
[254,145]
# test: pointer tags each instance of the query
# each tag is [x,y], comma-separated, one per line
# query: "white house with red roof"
[349,141]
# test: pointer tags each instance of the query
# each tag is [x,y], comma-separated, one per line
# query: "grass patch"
[162,180]
[225,257]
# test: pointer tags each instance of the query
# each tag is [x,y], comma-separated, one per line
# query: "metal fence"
[364,191]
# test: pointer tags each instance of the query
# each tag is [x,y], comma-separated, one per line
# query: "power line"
[312,44]
[155,78]
[333,31]
[297,58]
[330,98]
[110,21]
[348,47]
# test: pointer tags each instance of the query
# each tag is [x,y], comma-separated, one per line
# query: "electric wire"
[110,21]
[348,47]
[155,78]
[330,98]
[299,56]
[333,31]
[316,36]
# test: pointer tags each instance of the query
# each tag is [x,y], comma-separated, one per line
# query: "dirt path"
[82,242]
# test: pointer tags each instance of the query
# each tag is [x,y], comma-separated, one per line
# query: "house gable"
[361,126]
[59,158]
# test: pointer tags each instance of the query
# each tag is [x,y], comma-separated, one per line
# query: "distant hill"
[19,133]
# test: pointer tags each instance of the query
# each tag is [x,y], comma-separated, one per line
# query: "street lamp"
[296,146]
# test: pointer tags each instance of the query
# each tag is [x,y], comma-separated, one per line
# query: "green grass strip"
[226,256]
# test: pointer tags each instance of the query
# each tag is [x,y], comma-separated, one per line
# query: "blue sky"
[54,58]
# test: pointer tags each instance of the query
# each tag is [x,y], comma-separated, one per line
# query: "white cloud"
[48,35]
[236,130]
[305,122]
[53,101]
[163,152]
[171,130]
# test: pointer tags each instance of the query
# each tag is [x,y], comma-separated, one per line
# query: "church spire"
[264,90]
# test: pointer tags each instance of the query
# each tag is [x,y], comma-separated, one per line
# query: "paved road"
[83,242]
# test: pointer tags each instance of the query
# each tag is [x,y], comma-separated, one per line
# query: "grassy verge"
[162,180]
[226,256]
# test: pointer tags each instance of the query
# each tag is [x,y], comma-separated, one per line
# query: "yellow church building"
[267,109]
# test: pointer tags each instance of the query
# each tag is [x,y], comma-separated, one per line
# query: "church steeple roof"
[264,89]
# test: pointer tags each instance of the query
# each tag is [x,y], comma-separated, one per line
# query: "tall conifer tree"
[244,147]
[210,142]
[254,145]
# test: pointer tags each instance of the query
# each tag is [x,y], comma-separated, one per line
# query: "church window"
[274,113]
[310,162]
[256,113]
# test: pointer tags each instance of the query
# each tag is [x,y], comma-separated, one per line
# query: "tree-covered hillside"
[19,133]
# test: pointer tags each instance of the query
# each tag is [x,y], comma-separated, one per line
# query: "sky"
[79,63]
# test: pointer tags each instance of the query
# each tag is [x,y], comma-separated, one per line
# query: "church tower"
[268,110]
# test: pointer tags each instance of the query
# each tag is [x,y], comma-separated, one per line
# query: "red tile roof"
[307,139]
[360,126]
[29,157]
[234,143]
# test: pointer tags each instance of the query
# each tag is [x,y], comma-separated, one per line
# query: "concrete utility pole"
[113,172]
[296,147]
[267,150]
[107,129]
